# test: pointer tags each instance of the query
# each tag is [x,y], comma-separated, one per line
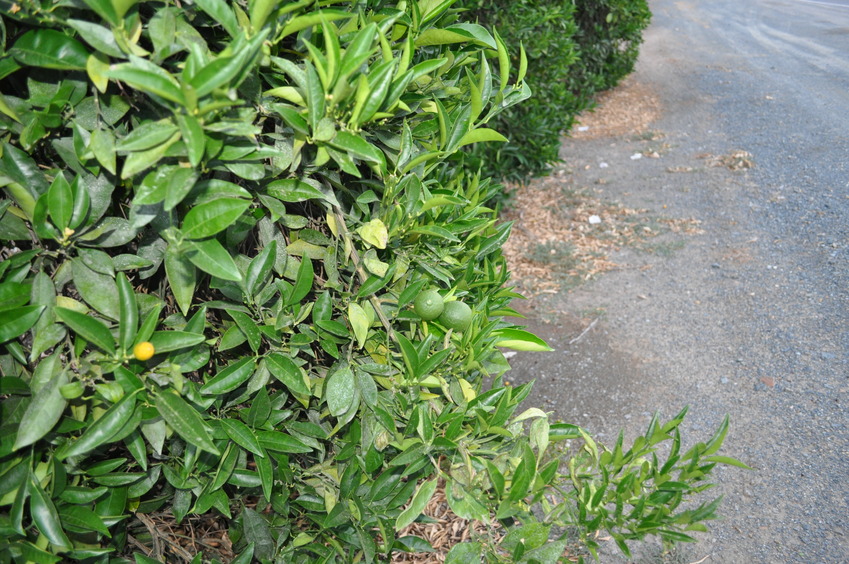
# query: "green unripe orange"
[428,305]
[456,315]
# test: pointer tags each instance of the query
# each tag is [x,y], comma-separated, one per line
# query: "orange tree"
[216,219]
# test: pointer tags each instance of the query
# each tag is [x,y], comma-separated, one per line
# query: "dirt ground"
[733,304]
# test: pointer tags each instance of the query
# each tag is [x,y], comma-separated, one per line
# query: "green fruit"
[456,315]
[428,305]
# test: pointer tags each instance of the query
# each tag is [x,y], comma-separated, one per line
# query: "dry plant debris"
[735,160]
[563,236]
[627,109]
[444,531]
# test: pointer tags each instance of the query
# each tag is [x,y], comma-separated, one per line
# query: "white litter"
[594,220]
[602,165]
[636,156]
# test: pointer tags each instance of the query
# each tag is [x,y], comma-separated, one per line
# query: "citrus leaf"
[417,505]
[51,49]
[167,341]
[102,430]
[520,340]
[43,412]
[359,322]
[182,278]
[284,369]
[211,257]
[185,421]
[243,436]
[230,378]
[340,391]
[15,322]
[88,328]
[46,517]
[213,217]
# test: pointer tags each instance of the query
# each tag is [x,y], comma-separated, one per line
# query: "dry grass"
[627,109]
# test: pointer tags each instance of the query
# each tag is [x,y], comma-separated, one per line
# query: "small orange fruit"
[144,350]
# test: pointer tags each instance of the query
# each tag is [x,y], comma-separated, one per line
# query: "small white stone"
[602,165]
[636,156]
[594,220]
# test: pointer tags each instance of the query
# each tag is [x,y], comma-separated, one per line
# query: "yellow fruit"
[456,315]
[428,305]
[144,350]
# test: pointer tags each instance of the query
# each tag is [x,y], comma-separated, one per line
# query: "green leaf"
[357,147]
[43,412]
[227,380]
[520,340]
[99,37]
[102,144]
[249,327]
[260,269]
[185,421]
[167,341]
[481,135]
[221,13]
[129,313]
[194,137]
[148,135]
[281,442]
[182,278]
[147,77]
[243,436]
[315,96]
[284,369]
[15,322]
[340,391]
[51,49]
[727,460]
[97,289]
[88,328]
[213,217]
[465,553]
[417,505]
[293,190]
[102,430]
[265,469]
[46,517]
[303,282]
[83,519]
[211,257]
[60,202]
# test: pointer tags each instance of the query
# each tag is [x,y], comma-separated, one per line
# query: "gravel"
[749,318]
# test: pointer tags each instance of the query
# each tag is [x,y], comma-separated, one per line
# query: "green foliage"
[609,36]
[254,193]
[572,49]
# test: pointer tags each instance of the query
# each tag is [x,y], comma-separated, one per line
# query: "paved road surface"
[750,318]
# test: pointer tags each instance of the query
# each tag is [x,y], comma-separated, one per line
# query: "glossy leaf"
[340,391]
[213,217]
[43,412]
[15,322]
[88,328]
[167,341]
[185,421]
[46,517]
[50,49]
[211,257]
[102,430]
[230,378]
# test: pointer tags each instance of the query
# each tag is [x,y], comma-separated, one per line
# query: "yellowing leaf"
[359,321]
[374,233]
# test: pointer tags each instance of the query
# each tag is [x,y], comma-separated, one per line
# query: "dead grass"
[627,109]
[550,217]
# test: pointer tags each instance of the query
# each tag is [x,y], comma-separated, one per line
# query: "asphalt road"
[751,318]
